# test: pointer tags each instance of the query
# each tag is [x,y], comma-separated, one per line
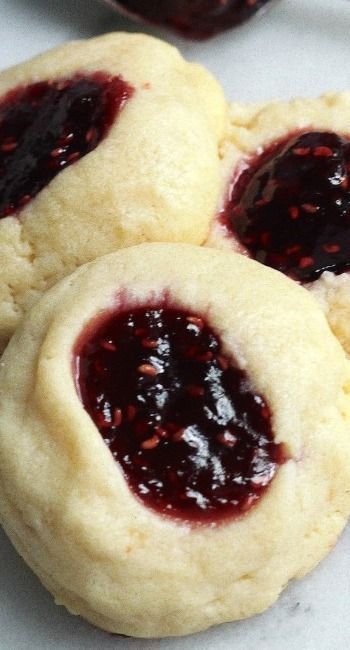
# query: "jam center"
[46,126]
[291,207]
[195,18]
[192,436]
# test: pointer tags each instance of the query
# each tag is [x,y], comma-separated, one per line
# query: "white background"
[299,47]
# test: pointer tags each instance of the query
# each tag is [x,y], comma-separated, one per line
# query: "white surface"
[300,47]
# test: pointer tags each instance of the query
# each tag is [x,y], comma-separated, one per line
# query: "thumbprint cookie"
[287,201]
[174,438]
[104,143]
[196,19]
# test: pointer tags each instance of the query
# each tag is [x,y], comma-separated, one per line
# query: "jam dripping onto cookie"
[194,439]
[49,125]
[290,208]
[195,18]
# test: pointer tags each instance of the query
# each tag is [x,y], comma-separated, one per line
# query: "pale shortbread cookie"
[255,127]
[333,294]
[154,177]
[64,501]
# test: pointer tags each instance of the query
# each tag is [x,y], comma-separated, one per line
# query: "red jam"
[290,208]
[193,437]
[195,18]
[48,126]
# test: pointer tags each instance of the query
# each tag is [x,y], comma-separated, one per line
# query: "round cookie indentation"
[290,207]
[195,18]
[193,437]
[49,125]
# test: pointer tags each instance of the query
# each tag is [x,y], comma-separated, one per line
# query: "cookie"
[196,19]
[288,202]
[174,438]
[104,143]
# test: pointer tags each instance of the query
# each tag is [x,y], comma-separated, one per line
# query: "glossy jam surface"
[49,125]
[193,438]
[291,207]
[195,18]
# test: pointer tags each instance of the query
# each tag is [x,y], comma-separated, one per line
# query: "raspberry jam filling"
[195,18]
[291,207]
[192,436]
[46,126]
